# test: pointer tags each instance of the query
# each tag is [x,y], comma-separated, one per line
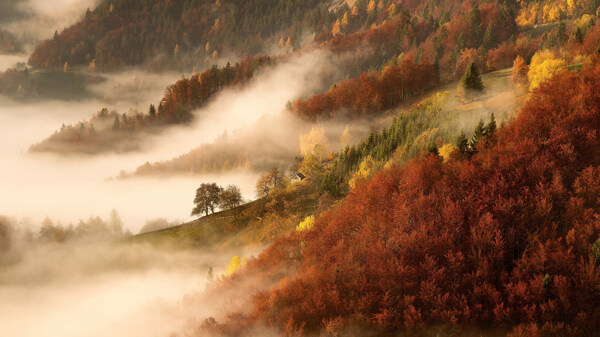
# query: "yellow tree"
[346,137]
[371,7]
[336,29]
[307,224]
[544,65]
[392,10]
[345,21]
[236,264]
[310,140]
[367,167]
[446,151]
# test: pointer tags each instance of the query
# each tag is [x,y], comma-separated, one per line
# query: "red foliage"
[188,94]
[501,57]
[499,241]
[370,92]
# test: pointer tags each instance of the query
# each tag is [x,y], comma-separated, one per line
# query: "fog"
[36,20]
[100,289]
[8,61]
[76,187]
[88,289]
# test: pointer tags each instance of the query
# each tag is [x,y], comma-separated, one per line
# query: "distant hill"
[167,32]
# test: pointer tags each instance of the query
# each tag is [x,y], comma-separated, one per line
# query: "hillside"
[250,226]
[503,241]
[417,168]
[255,223]
[177,33]
[441,113]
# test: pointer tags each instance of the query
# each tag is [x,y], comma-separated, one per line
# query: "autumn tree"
[544,64]
[268,182]
[310,141]
[366,169]
[346,137]
[519,72]
[306,224]
[230,198]
[207,198]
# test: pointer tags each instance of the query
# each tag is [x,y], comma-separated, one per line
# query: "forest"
[177,33]
[300,168]
[394,56]
[505,241]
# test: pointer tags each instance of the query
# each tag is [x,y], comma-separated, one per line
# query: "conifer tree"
[152,111]
[462,143]
[471,80]
[480,132]
[490,39]
[579,35]
[116,124]
[491,125]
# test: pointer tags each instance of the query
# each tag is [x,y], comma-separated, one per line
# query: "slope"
[252,225]
[259,222]
[505,242]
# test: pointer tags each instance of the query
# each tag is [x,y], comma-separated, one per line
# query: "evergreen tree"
[491,125]
[579,35]
[432,149]
[152,111]
[561,34]
[471,79]
[116,124]
[476,29]
[489,39]
[479,133]
[462,143]
[436,68]
[160,111]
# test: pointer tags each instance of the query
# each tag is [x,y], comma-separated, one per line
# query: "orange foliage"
[370,92]
[502,240]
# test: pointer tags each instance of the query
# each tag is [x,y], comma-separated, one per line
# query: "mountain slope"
[167,32]
[506,241]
